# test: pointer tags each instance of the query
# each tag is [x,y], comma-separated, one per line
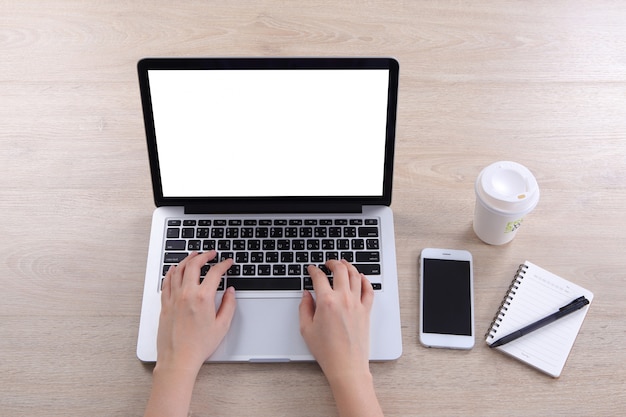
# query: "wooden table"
[540,83]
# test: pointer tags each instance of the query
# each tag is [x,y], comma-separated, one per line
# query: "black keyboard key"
[283,244]
[313,244]
[368,231]
[317,257]
[368,256]
[334,232]
[174,257]
[189,232]
[279,270]
[256,257]
[343,244]
[271,257]
[357,244]
[173,223]
[368,269]
[173,233]
[247,232]
[194,245]
[175,245]
[372,244]
[349,231]
[263,284]
[189,223]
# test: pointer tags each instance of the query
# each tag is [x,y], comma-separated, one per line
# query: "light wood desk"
[541,83]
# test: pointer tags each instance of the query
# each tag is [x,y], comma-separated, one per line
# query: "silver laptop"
[277,163]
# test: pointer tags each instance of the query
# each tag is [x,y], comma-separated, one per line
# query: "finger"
[367,293]
[166,284]
[177,277]
[191,275]
[306,310]
[214,276]
[226,312]
[354,277]
[319,279]
[341,280]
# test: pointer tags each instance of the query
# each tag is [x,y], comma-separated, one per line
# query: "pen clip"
[580,301]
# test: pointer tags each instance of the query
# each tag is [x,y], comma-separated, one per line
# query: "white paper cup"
[505,193]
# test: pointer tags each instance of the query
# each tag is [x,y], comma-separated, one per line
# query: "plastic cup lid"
[508,187]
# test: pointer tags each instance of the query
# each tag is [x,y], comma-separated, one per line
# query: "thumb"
[226,312]
[307,310]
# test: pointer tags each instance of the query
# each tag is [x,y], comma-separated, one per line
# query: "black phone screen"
[447,297]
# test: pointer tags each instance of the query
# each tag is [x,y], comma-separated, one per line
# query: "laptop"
[277,163]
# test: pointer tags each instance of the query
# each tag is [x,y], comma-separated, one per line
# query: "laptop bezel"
[269,204]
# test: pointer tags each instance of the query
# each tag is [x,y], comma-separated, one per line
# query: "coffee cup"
[505,192]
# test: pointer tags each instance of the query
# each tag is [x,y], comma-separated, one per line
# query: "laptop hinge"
[271,207]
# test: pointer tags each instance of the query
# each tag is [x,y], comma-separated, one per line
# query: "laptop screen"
[269,132]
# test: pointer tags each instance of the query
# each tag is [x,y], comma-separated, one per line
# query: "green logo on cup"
[513,226]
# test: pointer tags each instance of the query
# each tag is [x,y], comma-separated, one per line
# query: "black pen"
[575,305]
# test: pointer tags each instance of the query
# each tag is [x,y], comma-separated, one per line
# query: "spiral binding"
[506,301]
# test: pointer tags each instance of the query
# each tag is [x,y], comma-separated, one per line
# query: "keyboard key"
[175,245]
[368,269]
[256,284]
[368,256]
[368,231]
[174,257]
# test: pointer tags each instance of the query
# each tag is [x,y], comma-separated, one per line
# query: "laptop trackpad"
[264,330]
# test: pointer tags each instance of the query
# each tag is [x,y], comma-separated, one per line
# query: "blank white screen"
[260,133]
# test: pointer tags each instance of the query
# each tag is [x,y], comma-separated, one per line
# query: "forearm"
[355,396]
[171,392]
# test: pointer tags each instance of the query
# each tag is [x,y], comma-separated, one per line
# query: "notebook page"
[540,294]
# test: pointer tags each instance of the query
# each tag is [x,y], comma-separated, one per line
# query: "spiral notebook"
[536,293]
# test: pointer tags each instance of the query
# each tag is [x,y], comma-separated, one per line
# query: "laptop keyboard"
[273,254]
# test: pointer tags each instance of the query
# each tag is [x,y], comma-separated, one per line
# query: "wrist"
[179,372]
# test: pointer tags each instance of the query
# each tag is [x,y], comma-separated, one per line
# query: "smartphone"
[446,298]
